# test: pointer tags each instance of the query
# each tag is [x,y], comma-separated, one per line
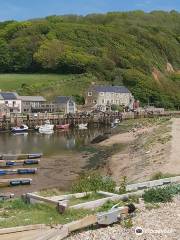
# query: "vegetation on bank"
[164,194]
[16,212]
[118,48]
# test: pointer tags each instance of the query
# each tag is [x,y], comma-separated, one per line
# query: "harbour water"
[49,145]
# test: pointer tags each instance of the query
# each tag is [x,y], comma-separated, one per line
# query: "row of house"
[11,102]
[96,97]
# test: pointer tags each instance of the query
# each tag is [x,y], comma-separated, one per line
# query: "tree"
[49,53]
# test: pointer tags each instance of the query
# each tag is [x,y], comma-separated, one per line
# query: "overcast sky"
[27,9]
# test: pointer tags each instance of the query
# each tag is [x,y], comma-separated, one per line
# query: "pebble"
[157,224]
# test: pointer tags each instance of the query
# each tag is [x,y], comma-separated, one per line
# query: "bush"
[156,195]
[94,182]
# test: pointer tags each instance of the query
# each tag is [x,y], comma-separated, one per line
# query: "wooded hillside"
[137,49]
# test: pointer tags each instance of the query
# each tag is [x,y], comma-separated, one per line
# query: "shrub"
[94,182]
[123,183]
[155,195]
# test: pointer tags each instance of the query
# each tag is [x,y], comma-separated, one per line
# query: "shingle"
[115,89]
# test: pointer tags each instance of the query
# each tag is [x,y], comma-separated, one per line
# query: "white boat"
[116,121]
[47,128]
[82,126]
[23,128]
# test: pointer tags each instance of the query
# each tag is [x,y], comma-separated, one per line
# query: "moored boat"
[63,126]
[18,171]
[47,128]
[20,156]
[15,182]
[12,163]
[23,128]
[82,126]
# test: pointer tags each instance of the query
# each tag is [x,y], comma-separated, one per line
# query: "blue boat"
[23,128]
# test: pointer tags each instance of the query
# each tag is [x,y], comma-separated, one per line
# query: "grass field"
[48,85]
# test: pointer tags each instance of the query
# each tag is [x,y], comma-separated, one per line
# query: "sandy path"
[173,163]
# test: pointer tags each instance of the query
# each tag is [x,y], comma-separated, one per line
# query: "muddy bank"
[55,171]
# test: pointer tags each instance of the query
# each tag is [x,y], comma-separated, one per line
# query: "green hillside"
[116,48]
[48,85]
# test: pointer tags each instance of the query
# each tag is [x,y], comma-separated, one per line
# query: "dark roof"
[62,99]
[9,95]
[115,89]
[32,98]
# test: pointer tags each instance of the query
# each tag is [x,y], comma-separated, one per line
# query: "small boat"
[47,128]
[13,163]
[20,156]
[116,121]
[18,171]
[63,126]
[15,182]
[23,128]
[82,126]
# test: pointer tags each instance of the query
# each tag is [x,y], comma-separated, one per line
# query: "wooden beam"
[22,229]
[31,196]
[79,224]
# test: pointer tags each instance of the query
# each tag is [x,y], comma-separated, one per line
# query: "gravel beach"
[162,223]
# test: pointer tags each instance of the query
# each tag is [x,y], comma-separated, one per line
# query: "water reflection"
[48,144]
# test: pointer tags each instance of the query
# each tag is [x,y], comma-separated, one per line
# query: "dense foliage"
[165,194]
[120,48]
[93,182]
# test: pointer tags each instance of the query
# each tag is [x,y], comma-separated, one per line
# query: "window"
[6,102]
[94,101]
[103,101]
[112,93]
[14,103]
[112,101]
[89,94]
[101,93]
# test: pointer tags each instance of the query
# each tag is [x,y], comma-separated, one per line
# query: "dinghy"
[18,171]
[82,126]
[20,156]
[63,126]
[23,128]
[15,182]
[47,128]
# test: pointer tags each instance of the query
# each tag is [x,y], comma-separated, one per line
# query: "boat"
[82,126]
[63,126]
[18,171]
[15,182]
[47,128]
[116,121]
[12,163]
[20,156]
[23,128]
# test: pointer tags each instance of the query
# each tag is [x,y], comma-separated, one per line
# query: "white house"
[104,96]
[12,101]
[66,104]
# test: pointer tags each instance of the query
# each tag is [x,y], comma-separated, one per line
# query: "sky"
[28,9]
